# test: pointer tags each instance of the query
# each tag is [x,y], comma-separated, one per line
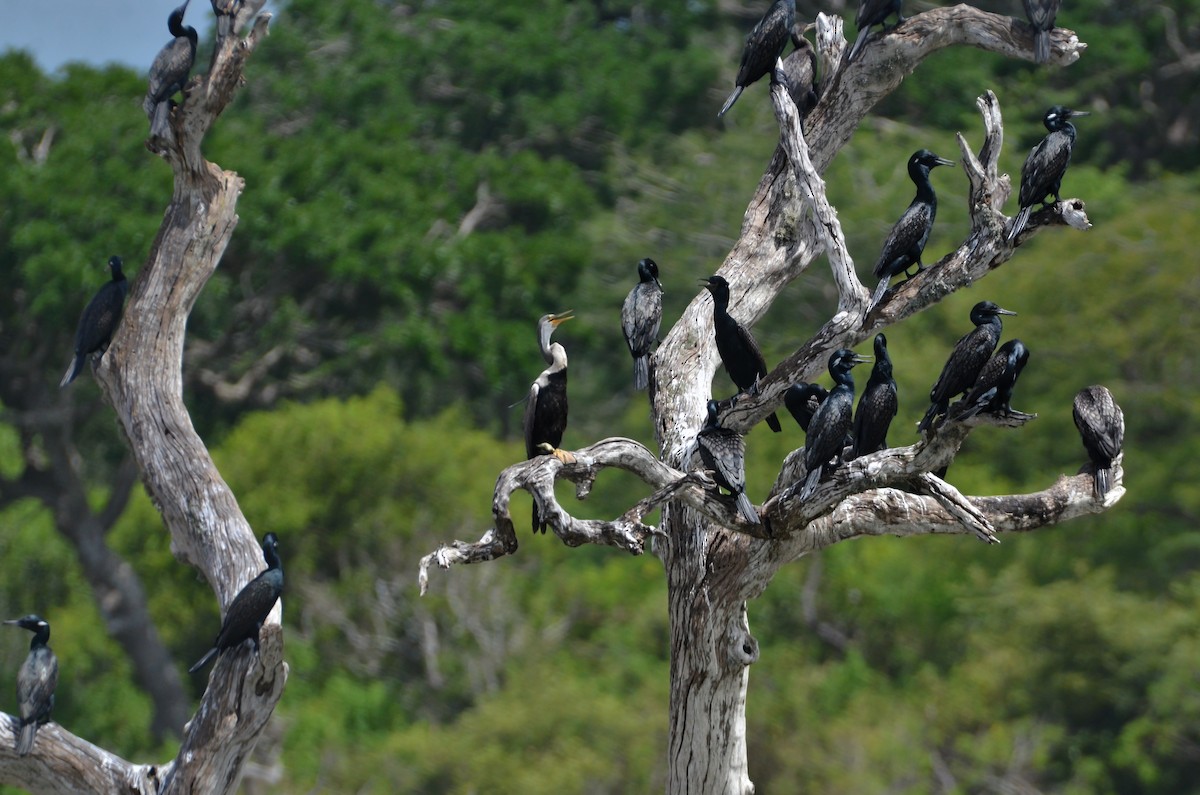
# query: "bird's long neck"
[271,555]
[920,177]
[40,639]
[843,377]
[556,355]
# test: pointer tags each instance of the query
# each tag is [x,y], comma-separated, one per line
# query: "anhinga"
[970,354]
[739,352]
[1041,15]
[169,72]
[878,404]
[906,242]
[98,321]
[831,425]
[723,451]
[250,608]
[546,407]
[1042,174]
[1101,425]
[872,12]
[993,389]
[35,681]
[763,47]
[641,315]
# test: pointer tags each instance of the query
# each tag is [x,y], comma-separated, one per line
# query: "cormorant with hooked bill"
[802,401]
[1101,425]
[906,241]
[35,681]
[169,72]
[763,47]
[723,451]
[831,425]
[546,407]
[1041,15]
[970,354]
[641,315]
[98,321]
[739,352]
[872,12]
[250,608]
[994,387]
[1043,171]
[878,404]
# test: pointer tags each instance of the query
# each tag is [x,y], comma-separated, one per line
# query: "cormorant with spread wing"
[763,47]
[878,404]
[723,451]
[994,387]
[906,242]
[739,352]
[35,681]
[970,354]
[546,407]
[98,321]
[1101,425]
[1042,174]
[250,608]
[641,315]
[831,425]
[1041,15]
[802,401]
[872,12]
[169,72]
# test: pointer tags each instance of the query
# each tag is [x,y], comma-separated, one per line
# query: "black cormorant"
[1101,424]
[802,400]
[169,72]
[723,451]
[35,681]
[763,47]
[878,404]
[641,315]
[250,608]
[1041,15]
[546,407]
[98,321]
[970,354]
[799,74]
[739,352]
[831,425]
[1042,174]
[906,241]
[872,12]
[994,387]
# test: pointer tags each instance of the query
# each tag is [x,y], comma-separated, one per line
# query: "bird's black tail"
[880,291]
[773,422]
[746,509]
[1041,46]
[810,483]
[160,126]
[1019,223]
[1103,481]
[927,420]
[25,739]
[203,661]
[641,372]
[858,43]
[73,370]
[737,92]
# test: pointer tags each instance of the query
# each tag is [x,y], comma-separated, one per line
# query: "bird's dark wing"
[827,431]
[1041,13]
[99,319]
[750,345]
[36,683]
[970,354]
[528,422]
[906,241]
[765,43]
[1101,423]
[723,451]
[1044,168]
[641,316]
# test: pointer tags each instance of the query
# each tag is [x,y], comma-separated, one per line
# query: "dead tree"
[714,560]
[141,377]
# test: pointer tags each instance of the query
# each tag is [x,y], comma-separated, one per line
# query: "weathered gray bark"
[714,560]
[140,375]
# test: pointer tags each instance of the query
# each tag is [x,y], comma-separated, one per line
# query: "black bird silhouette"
[802,400]
[1101,425]
[970,354]
[906,242]
[872,12]
[250,608]
[763,47]
[35,681]
[739,352]
[98,321]
[641,315]
[1042,174]
[831,425]
[169,72]
[994,387]
[723,451]
[878,404]
[546,408]
[1041,15]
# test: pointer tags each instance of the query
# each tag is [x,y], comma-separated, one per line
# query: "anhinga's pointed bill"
[561,317]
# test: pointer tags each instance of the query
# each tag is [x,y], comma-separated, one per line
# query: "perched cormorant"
[35,681]
[831,425]
[1041,15]
[799,74]
[739,352]
[1101,425]
[250,608]
[641,315]
[763,47]
[98,321]
[906,241]
[1042,174]
[169,72]
[872,12]
[878,404]
[970,354]
[546,407]
[994,387]
[723,451]
[802,400]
